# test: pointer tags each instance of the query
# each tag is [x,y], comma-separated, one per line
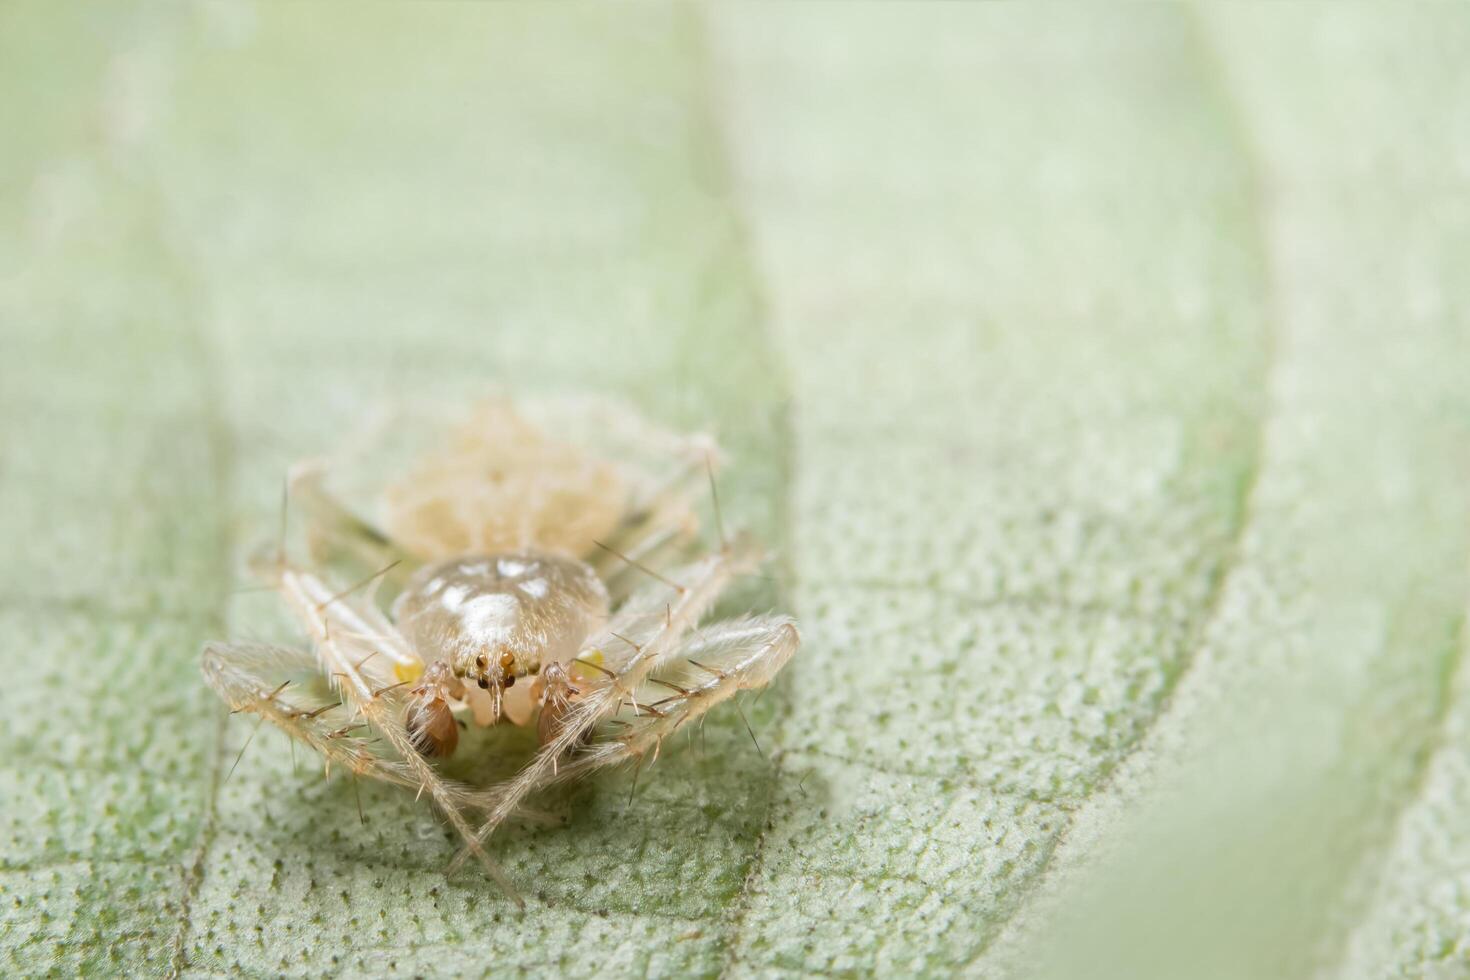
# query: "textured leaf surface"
[1098,376]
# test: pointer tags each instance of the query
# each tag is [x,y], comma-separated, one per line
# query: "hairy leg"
[256,679]
[335,534]
[656,526]
[359,649]
[722,660]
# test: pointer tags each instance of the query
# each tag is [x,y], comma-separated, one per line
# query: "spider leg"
[246,676]
[649,631]
[658,524]
[335,533]
[348,632]
[726,658]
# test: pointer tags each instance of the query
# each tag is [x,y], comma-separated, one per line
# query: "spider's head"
[497,618]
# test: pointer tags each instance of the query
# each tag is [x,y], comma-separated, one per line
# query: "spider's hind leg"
[660,523]
[336,535]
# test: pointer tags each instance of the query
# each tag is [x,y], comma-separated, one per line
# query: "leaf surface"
[1098,377]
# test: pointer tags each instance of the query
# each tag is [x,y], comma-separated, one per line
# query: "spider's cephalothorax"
[495,618]
[517,558]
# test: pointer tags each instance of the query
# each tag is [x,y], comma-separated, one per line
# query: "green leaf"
[1098,376]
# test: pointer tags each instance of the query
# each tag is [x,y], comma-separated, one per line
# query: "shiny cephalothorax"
[498,617]
[493,619]
[520,579]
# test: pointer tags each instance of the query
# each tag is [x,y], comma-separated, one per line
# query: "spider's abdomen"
[496,617]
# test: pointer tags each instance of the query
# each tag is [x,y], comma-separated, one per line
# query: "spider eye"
[484,683]
[510,680]
[507,661]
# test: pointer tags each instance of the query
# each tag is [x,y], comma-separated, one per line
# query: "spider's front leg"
[261,679]
[258,679]
[712,666]
[353,640]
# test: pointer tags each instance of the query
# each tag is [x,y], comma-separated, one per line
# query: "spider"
[518,580]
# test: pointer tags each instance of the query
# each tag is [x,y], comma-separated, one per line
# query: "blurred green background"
[1098,375]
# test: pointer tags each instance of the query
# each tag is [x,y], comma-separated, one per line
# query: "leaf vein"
[713,113]
[1217,90]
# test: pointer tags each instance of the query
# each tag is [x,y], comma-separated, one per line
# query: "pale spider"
[520,578]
